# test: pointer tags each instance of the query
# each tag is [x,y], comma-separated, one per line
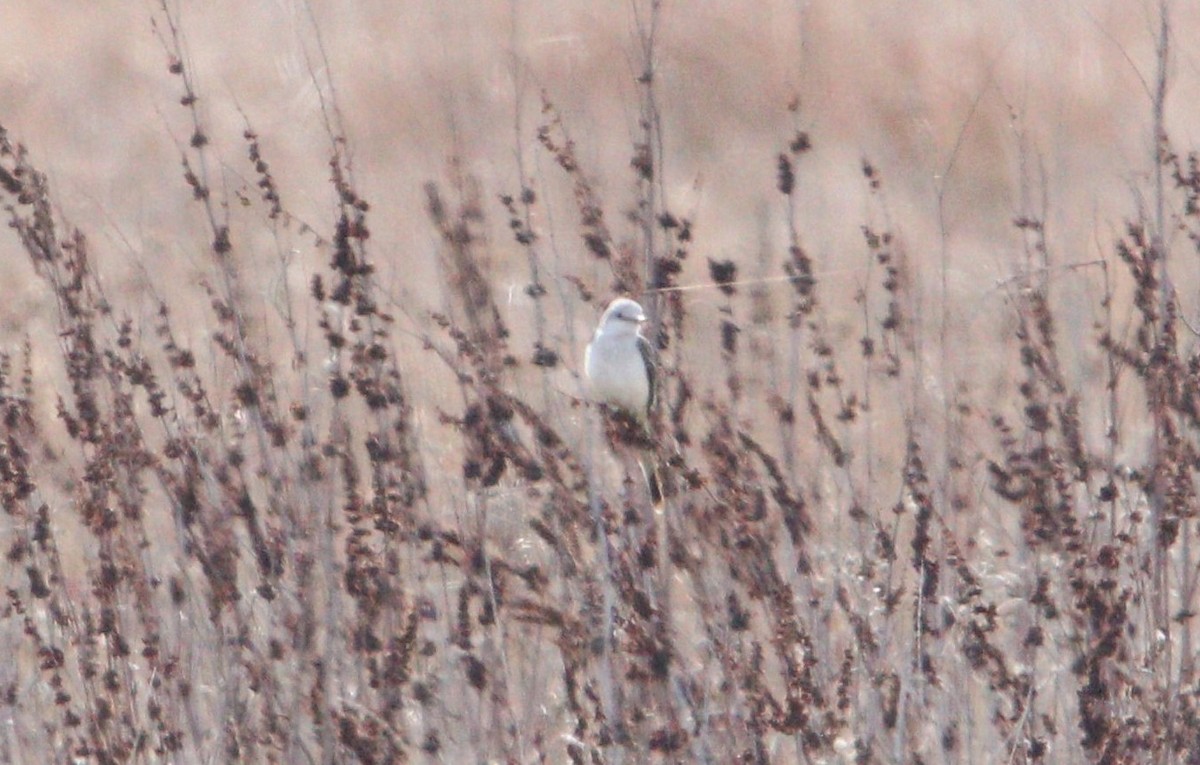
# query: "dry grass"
[296,467]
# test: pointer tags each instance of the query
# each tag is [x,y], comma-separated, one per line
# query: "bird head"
[622,315]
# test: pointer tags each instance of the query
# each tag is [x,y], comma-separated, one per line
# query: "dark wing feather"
[651,360]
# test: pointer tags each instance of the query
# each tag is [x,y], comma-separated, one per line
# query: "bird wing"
[650,359]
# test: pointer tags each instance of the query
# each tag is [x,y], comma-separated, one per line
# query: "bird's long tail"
[650,473]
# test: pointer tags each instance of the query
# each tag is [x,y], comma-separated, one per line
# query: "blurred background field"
[991,105]
[1011,144]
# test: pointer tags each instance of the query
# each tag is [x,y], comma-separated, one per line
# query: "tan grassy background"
[958,97]
[974,114]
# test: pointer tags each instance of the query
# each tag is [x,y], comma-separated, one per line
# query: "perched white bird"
[619,364]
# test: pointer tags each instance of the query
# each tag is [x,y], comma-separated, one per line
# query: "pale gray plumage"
[619,363]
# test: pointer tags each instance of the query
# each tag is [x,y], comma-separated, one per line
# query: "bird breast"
[617,373]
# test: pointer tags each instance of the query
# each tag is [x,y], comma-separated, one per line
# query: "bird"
[619,362]
[620,369]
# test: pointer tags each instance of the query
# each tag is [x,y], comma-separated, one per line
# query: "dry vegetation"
[303,482]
